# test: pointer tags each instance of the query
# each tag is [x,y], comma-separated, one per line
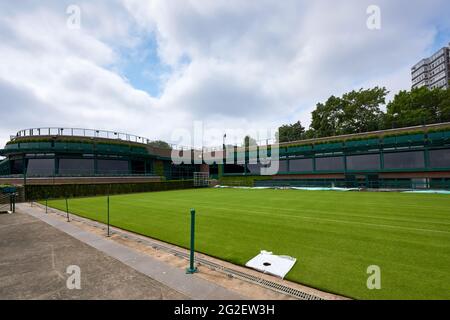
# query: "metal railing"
[79,132]
[115,135]
[8,202]
[87,133]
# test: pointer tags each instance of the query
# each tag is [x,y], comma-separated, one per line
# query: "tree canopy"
[160,144]
[418,106]
[249,141]
[291,132]
[361,111]
[355,111]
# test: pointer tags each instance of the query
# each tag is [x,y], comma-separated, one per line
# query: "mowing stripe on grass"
[334,236]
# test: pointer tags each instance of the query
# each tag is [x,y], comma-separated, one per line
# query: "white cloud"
[285,56]
[235,64]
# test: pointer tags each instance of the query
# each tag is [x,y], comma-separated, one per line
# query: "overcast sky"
[153,67]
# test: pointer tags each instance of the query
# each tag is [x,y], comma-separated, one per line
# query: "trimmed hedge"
[159,168]
[364,136]
[244,181]
[40,192]
[76,139]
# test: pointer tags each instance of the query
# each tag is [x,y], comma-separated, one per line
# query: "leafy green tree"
[249,141]
[361,110]
[291,132]
[355,111]
[416,107]
[160,144]
[327,117]
[444,106]
[310,134]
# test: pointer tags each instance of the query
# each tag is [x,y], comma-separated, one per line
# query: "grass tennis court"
[335,236]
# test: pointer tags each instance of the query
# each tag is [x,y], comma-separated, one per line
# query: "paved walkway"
[34,258]
[189,286]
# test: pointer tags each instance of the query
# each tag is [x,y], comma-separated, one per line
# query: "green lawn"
[335,236]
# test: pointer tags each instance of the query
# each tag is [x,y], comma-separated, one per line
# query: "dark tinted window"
[330,164]
[363,162]
[17,167]
[440,158]
[232,168]
[299,165]
[112,166]
[404,160]
[40,167]
[282,166]
[76,166]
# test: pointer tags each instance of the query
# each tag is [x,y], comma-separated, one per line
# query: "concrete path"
[34,260]
[175,278]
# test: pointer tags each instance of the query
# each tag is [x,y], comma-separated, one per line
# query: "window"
[112,167]
[330,164]
[404,160]
[440,158]
[363,162]
[40,167]
[300,165]
[76,166]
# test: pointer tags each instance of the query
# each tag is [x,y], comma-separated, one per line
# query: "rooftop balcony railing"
[88,133]
[114,135]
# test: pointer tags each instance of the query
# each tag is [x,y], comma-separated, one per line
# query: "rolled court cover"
[272,264]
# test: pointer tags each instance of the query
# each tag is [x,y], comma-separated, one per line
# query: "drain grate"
[274,286]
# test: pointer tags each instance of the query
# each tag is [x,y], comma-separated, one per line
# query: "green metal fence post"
[46,204]
[67,210]
[192,268]
[107,202]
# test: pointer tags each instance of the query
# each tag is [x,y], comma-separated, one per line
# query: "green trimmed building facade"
[415,157]
[67,152]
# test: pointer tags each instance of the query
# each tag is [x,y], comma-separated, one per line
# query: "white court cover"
[275,265]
